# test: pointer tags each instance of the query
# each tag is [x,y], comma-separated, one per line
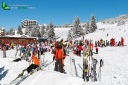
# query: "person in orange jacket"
[35,64]
[59,58]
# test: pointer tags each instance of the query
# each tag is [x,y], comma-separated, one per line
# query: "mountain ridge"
[120,20]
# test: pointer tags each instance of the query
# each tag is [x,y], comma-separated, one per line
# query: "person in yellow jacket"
[12,45]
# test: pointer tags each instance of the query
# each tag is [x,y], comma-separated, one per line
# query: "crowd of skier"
[112,42]
[60,49]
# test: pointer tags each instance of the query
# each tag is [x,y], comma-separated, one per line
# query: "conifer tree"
[42,31]
[51,33]
[19,30]
[93,25]
[11,31]
[77,29]
[69,37]
[87,28]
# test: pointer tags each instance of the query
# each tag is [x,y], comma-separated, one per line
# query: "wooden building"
[18,40]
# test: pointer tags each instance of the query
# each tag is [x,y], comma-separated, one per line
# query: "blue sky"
[61,12]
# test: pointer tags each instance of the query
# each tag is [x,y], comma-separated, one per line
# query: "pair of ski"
[89,72]
[17,81]
[93,70]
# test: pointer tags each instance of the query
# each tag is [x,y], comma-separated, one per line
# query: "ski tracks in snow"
[37,78]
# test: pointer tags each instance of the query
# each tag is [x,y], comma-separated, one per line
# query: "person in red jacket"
[122,41]
[96,50]
[79,50]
